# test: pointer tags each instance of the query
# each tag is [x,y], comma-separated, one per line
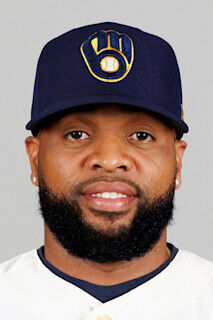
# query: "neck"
[104,273]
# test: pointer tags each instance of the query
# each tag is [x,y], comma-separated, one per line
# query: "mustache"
[77,189]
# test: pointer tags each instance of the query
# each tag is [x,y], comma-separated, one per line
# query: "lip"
[103,204]
[103,186]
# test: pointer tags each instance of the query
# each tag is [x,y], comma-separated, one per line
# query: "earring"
[34,179]
[176,181]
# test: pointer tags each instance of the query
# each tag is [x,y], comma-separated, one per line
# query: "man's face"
[106,143]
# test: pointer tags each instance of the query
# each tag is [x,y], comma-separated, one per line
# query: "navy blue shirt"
[106,293]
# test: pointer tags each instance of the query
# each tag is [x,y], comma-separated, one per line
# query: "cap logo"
[108,55]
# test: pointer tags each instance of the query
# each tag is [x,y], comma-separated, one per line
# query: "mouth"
[100,202]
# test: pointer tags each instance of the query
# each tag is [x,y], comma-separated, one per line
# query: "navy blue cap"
[108,63]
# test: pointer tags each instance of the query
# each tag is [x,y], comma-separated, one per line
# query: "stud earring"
[176,181]
[34,179]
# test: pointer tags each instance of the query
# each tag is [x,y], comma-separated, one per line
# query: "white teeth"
[109,195]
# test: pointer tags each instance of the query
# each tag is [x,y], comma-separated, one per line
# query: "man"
[106,156]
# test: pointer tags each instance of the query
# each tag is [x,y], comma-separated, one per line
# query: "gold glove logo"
[108,55]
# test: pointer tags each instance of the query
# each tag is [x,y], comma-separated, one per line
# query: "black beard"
[64,219]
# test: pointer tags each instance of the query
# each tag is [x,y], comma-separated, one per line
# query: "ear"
[180,147]
[32,148]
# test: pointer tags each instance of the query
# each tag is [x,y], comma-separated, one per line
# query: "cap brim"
[68,105]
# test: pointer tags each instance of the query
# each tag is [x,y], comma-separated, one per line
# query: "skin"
[109,147]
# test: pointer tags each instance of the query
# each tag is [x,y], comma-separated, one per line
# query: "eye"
[143,136]
[75,135]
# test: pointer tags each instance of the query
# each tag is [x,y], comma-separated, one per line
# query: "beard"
[64,218]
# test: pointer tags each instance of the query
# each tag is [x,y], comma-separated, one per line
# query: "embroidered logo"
[108,55]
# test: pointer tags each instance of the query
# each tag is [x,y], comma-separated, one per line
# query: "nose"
[110,155]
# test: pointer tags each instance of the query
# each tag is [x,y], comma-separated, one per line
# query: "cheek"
[160,168]
[58,168]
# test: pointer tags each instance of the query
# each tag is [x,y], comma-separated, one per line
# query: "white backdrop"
[25,26]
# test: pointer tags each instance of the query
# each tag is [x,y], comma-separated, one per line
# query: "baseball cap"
[108,62]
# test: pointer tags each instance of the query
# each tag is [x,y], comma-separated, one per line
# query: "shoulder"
[194,262]
[17,262]
[16,284]
[192,268]
[197,278]
[15,269]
